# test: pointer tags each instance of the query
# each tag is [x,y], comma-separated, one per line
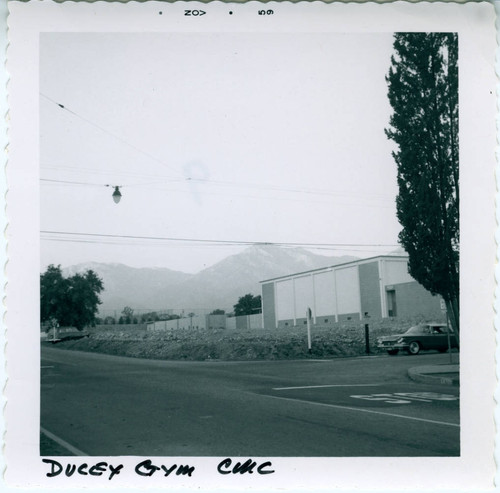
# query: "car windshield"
[418,329]
[425,329]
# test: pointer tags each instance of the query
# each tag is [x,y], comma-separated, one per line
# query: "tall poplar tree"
[423,93]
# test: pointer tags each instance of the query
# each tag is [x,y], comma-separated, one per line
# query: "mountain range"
[218,286]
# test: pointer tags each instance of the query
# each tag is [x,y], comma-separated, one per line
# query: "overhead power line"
[223,183]
[159,180]
[73,236]
[106,131]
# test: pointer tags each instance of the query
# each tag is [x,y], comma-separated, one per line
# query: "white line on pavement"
[362,410]
[324,386]
[62,442]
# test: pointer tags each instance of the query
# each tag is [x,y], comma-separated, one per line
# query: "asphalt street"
[93,404]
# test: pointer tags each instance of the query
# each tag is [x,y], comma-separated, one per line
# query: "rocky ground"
[342,340]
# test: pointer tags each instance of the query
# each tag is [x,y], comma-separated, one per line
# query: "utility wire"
[321,200]
[198,245]
[161,180]
[215,182]
[102,129]
[209,241]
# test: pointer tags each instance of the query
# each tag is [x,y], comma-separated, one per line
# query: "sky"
[225,138]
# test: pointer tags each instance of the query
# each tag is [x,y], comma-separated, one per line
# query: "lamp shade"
[117,195]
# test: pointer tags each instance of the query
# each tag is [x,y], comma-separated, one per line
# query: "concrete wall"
[211,322]
[304,295]
[245,322]
[325,295]
[198,322]
[394,271]
[347,282]
[231,323]
[413,300]
[268,306]
[215,321]
[369,287]
[346,292]
[345,317]
[249,321]
[285,298]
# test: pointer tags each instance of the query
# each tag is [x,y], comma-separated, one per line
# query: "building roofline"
[335,266]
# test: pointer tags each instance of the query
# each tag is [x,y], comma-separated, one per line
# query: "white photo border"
[475,468]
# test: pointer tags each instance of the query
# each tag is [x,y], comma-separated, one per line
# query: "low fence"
[245,322]
[210,322]
[196,322]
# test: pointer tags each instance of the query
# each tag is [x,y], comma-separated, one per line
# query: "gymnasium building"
[378,287]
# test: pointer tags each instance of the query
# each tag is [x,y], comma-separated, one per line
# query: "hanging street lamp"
[117,195]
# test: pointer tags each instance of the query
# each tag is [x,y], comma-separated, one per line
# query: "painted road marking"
[326,386]
[363,410]
[62,442]
[407,397]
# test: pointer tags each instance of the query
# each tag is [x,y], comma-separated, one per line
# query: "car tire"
[443,350]
[392,352]
[414,347]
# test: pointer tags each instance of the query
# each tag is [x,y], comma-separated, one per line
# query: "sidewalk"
[447,374]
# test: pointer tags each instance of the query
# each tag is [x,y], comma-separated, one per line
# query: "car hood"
[393,337]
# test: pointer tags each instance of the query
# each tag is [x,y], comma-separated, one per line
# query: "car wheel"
[392,352]
[414,347]
[443,349]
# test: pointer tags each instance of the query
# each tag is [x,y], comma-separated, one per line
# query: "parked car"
[420,337]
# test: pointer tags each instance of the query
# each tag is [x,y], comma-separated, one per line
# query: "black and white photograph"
[248,234]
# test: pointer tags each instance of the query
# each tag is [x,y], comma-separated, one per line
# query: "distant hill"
[218,286]
[140,288]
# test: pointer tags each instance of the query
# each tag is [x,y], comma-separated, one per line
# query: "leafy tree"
[72,301]
[423,92]
[53,292]
[248,305]
[84,299]
[128,314]
[149,317]
[218,311]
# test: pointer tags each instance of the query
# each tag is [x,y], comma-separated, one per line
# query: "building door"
[391,304]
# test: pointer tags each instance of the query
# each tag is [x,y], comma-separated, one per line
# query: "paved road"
[95,404]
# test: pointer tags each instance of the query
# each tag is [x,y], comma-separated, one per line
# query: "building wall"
[342,293]
[326,319]
[413,300]
[369,287]
[395,271]
[344,317]
[285,306]
[268,305]
[347,282]
[324,293]
[304,295]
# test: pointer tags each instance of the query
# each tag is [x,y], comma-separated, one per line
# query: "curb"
[430,374]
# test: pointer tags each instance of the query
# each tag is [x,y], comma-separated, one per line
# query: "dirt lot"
[342,340]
